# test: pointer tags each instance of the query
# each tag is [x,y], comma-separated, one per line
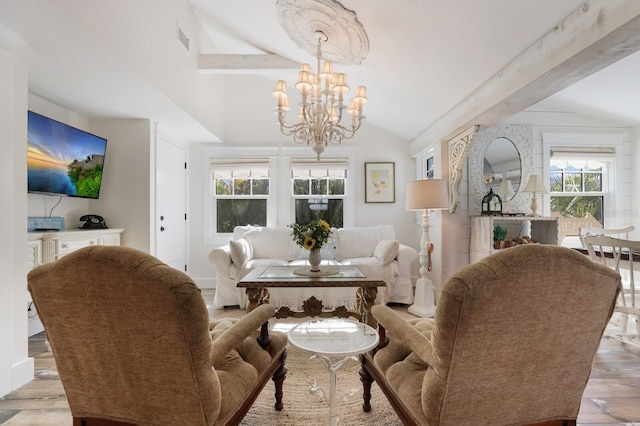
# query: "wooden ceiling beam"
[598,34]
[244,64]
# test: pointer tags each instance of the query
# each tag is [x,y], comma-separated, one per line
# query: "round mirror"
[502,168]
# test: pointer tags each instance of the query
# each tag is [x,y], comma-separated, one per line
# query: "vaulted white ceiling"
[426,57]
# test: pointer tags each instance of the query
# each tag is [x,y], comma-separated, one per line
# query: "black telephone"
[92,221]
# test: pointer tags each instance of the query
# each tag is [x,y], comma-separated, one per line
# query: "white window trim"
[210,156]
[590,141]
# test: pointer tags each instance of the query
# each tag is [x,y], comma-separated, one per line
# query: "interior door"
[171,203]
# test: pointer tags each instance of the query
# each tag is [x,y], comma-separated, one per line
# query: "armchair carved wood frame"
[511,342]
[134,344]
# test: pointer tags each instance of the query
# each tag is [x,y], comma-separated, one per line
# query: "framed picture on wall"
[379,182]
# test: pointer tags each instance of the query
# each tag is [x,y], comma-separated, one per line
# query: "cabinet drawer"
[68,245]
[111,240]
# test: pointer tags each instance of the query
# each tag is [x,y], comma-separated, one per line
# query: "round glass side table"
[340,338]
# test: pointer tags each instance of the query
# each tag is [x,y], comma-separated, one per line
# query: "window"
[578,188]
[241,190]
[319,190]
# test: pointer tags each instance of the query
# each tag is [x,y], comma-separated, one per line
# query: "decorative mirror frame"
[522,138]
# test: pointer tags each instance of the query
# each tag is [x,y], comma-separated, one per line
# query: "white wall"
[127,194]
[16,368]
[142,35]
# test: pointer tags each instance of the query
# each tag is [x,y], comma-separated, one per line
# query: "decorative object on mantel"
[506,191]
[517,242]
[312,236]
[491,204]
[313,25]
[499,234]
[535,186]
[425,195]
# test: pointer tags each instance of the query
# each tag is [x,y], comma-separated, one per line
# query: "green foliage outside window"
[585,182]
[333,214]
[240,200]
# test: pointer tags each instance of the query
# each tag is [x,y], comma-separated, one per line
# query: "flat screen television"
[63,160]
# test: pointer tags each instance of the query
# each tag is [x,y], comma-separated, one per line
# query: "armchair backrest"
[515,335]
[130,337]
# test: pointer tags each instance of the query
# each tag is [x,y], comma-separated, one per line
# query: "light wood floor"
[612,395]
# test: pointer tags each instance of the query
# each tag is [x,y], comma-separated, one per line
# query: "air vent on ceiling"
[183,38]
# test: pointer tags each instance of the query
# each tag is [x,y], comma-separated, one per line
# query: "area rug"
[303,399]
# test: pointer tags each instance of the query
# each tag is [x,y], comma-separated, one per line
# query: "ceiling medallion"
[347,42]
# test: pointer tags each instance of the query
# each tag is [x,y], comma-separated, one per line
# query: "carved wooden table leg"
[367,299]
[254,298]
[367,381]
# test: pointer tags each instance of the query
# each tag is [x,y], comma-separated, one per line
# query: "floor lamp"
[425,195]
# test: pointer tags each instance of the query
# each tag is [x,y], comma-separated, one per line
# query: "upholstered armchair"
[133,343]
[512,342]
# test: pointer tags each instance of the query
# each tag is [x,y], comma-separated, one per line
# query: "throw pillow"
[387,251]
[241,251]
[360,242]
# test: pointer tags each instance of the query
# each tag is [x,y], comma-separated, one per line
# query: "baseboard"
[22,373]
[202,282]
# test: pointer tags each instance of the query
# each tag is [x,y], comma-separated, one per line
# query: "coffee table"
[334,337]
[258,281]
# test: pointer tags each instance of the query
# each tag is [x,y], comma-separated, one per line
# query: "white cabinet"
[543,230]
[58,244]
[45,247]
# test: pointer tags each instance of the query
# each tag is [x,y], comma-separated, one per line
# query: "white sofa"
[376,246]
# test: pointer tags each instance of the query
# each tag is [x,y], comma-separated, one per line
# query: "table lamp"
[425,195]
[506,191]
[535,186]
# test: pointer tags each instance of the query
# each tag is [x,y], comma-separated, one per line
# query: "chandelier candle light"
[323,105]
[425,195]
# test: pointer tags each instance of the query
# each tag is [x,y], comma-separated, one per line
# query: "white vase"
[315,258]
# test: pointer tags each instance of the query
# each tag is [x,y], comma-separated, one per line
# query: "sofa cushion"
[360,242]
[273,243]
[239,231]
[387,251]
[241,251]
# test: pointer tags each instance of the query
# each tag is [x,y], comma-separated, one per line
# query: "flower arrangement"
[312,235]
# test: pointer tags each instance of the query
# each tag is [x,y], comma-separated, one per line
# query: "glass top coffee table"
[259,280]
[340,338]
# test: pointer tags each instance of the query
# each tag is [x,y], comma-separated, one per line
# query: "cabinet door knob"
[162,229]
[65,245]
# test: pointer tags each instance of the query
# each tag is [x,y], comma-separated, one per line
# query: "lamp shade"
[427,194]
[506,189]
[536,185]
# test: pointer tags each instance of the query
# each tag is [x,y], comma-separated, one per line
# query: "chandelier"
[323,105]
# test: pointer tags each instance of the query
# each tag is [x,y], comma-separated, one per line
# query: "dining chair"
[623,256]
[610,232]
